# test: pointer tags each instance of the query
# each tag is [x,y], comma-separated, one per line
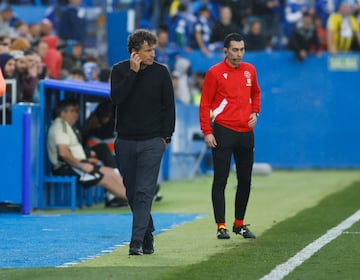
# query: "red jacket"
[231,95]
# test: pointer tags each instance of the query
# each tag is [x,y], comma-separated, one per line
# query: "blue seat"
[58,190]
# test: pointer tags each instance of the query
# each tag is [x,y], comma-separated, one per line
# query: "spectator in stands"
[181,27]
[255,38]
[91,69]
[52,58]
[294,10]
[342,30]
[73,57]
[68,156]
[303,39]
[7,21]
[321,33]
[72,23]
[35,32]
[212,6]
[221,28]
[7,66]
[20,44]
[104,75]
[5,42]
[27,70]
[241,10]
[77,74]
[323,9]
[165,52]
[200,38]
[22,30]
[270,13]
[46,28]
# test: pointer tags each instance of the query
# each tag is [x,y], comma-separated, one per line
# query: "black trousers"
[139,164]
[241,146]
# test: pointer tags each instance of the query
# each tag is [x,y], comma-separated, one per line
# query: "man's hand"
[210,140]
[135,62]
[252,120]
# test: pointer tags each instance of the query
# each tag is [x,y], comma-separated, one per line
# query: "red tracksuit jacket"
[231,95]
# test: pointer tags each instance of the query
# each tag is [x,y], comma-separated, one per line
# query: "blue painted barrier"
[26,175]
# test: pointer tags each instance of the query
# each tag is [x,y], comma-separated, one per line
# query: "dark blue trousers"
[139,164]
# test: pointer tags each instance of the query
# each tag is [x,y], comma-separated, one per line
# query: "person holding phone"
[143,93]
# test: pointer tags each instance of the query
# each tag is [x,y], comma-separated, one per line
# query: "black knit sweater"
[145,101]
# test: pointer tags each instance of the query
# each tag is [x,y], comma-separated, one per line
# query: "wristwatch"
[257,114]
[167,139]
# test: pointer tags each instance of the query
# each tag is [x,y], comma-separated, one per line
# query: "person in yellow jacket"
[342,29]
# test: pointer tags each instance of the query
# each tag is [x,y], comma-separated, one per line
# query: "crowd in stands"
[54,47]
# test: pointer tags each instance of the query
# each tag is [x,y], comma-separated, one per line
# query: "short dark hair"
[63,105]
[139,37]
[232,37]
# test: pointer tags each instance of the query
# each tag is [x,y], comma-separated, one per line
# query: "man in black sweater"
[143,93]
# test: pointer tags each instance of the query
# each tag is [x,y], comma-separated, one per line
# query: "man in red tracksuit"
[232,94]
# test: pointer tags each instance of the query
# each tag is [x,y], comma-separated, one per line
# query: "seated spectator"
[342,30]
[7,21]
[27,74]
[221,28]
[255,38]
[22,30]
[77,74]
[91,69]
[68,156]
[321,33]
[5,42]
[304,39]
[20,44]
[165,52]
[7,67]
[52,58]
[73,56]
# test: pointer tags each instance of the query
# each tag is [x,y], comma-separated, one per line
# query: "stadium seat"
[58,190]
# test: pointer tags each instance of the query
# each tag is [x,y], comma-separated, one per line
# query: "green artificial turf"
[287,210]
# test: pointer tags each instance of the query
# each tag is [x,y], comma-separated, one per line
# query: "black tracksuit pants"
[241,146]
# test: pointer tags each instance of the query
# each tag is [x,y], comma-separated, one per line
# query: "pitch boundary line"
[282,270]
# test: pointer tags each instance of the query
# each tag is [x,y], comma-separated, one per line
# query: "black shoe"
[148,244]
[136,248]
[222,233]
[244,231]
[115,203]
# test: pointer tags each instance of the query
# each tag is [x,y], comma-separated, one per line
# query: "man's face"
[147,54]
[234,53]
[70,115]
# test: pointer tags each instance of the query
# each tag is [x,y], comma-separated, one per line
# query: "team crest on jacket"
[247,75]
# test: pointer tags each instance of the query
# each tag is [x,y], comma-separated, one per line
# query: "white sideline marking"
[280,271]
